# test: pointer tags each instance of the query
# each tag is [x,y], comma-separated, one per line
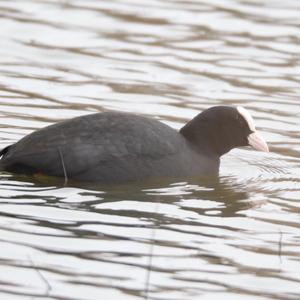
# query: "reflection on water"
[235,237]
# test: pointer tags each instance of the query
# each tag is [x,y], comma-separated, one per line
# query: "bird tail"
[2,154]
[4,151]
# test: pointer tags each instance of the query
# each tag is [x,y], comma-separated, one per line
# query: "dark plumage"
[113,147]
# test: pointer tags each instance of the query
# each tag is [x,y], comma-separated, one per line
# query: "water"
[235,238]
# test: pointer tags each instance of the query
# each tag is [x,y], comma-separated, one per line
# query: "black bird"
[115,147]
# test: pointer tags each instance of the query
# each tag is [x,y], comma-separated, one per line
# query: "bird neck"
[205,137]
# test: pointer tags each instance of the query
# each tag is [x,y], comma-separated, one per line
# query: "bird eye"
[240,120]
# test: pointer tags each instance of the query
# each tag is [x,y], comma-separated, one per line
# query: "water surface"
[233,238]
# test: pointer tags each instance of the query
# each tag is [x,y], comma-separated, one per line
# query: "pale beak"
[256,141]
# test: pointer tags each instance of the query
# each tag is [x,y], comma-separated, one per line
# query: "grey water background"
[235,238]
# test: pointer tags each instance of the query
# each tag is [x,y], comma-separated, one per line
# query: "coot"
[115,147]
